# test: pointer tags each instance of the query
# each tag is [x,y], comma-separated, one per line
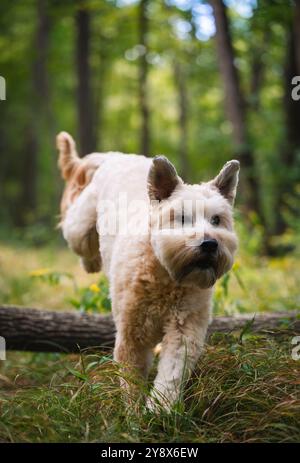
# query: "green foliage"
[95,298]
[221,296]
[241,392]
[114,59]
[50,277]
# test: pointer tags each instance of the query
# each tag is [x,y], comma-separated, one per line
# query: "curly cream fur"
[161,284]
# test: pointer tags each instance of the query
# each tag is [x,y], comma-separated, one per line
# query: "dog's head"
[192,231]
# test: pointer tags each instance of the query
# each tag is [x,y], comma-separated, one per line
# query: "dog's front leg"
[79,229]
[180,350]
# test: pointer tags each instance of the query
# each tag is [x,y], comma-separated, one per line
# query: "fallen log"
[54,331]
[35,330]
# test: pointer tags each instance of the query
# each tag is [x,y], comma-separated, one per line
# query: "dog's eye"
[215,220]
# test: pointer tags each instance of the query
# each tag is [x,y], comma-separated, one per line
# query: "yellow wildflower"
[95,288]
[39,272]
[236,266]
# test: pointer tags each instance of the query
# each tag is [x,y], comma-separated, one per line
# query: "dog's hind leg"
[79,229]
[78,205]
[91,259]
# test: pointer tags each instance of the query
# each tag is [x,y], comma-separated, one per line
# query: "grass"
[244,390]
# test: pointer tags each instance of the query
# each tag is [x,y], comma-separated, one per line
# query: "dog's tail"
[68,159]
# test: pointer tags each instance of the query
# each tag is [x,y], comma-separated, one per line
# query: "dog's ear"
[226,181]
[162,179]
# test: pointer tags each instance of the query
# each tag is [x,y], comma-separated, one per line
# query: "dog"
[77,174]
[163,265]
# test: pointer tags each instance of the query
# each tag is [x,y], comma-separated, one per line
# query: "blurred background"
[199,81]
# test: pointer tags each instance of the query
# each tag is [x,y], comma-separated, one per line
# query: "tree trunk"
[235,106]
[44,331]
[290,172]
[28,200]
[143,78]
[258,70]
[100,69]
[41,46]
[296,32]
[39,104]
[182,119]
[85,103]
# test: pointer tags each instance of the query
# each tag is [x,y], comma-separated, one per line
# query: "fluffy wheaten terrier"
[161,243]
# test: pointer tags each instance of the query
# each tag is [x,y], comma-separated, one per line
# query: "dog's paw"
[151,405]
[155,405]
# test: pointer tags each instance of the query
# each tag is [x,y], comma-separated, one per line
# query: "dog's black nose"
[209,245]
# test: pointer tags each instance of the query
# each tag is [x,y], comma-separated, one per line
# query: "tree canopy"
[198,81]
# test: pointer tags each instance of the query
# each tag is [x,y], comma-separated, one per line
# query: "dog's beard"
[189,265]
[202,270]
[203,277]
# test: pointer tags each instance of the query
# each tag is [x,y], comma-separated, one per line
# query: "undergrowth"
[242,391]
